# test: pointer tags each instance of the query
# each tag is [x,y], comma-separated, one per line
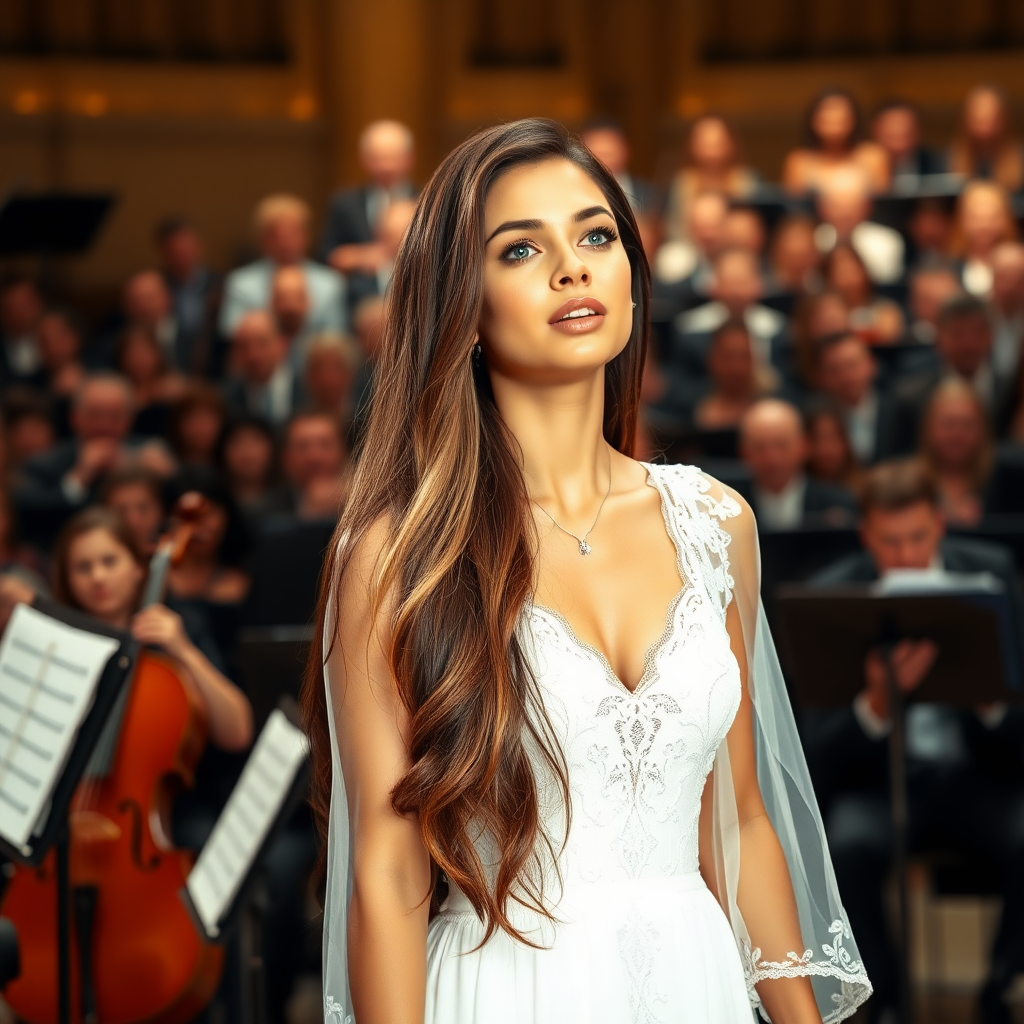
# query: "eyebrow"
[536,225]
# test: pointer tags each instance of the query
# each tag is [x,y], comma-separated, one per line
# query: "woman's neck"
[560,430]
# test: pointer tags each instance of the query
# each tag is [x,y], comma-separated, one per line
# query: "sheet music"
[48,677]
[250,813]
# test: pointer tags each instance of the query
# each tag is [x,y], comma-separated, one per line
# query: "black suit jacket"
[824,504]
[842,757]
[236,398]
[346,222]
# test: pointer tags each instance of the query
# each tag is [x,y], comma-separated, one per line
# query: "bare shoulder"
[360,564]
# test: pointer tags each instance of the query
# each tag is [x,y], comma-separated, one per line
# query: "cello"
[135,955]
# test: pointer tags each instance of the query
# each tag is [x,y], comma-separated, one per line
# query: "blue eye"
[598,238]
[519,251]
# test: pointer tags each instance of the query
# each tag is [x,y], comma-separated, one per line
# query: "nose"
[570,270]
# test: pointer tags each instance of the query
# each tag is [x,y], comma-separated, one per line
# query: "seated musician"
[98,568]
[965,769]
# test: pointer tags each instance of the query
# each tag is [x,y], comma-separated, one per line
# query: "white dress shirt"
[784,510]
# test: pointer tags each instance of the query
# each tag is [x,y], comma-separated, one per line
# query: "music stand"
[225,889]
[53,831]
[51,224]
[826,635]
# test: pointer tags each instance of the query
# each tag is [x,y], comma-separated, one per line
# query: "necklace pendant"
[585,548]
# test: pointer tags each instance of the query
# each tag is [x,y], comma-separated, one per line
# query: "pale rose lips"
[578,316]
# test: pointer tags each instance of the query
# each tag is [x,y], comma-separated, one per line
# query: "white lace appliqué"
[334,1012]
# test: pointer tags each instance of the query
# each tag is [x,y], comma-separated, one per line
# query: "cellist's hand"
[158,626]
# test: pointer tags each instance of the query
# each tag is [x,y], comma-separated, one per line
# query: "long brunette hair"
[440,467]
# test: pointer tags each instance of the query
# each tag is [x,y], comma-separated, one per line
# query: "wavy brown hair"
[441,468]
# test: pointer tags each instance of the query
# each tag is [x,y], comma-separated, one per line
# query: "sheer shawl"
[721,540]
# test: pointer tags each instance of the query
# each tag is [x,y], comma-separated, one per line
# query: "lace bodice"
[637,761]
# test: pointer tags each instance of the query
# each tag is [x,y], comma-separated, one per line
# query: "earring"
[477,353]
[634,305]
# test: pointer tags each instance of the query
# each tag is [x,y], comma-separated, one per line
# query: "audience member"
[387,153]
[736,379]
[744,228]
[844,206]
[795,260]
[957,448]
[194,291]
[930,289]
[267,383]
[391,229]
[833,147]
[1007,309]
[195,424]
[313,462]
[289,304]
[28,428]
[712,164]
[606,139]
[247,459]
[830,457]
[71,473]
[847,374]
[331,367]
[136,494]
[985,147]
[281,225]
[773,444]
[736,291]
[208,583]
[142,362]
[984,220]
[814,318]
[146,309]
[964,344]
[895,127]
[964,774]
[929,229]
[878,321]
[682,268]
[21,309]
[59,338]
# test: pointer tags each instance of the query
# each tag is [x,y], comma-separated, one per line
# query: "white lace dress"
[639,937]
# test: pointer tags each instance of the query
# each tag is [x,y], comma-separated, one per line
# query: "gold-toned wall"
[207,138]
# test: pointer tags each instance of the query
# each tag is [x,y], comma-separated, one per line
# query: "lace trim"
[854,986]
[695,517]
[334,1012]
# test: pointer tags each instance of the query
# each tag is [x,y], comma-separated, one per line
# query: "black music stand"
[826,635]
[55,832]
[247,907]
[52,224]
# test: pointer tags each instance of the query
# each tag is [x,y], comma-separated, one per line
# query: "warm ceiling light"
[27,101]
[302,107]
[94,104]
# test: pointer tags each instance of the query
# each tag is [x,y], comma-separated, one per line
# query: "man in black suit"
[387,153]
[57,482]
[965,768]
[312,460]
[773,444]
[847,374]
[963,341]
[21,309]
[895,127]
[267,384]
[194,293]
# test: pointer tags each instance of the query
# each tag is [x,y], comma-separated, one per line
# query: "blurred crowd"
[841,346]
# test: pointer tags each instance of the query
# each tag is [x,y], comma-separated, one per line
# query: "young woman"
[833,127]
[247,459]
[136,494]
[98,568]
[986,147]
[877,320]
[537,650]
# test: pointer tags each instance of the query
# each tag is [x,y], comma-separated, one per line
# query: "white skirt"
[649,951]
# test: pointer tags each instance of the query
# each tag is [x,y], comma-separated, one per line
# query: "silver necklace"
[585,548]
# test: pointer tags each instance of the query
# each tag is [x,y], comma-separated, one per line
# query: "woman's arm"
[764,892]
[391,877]
[228,710]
